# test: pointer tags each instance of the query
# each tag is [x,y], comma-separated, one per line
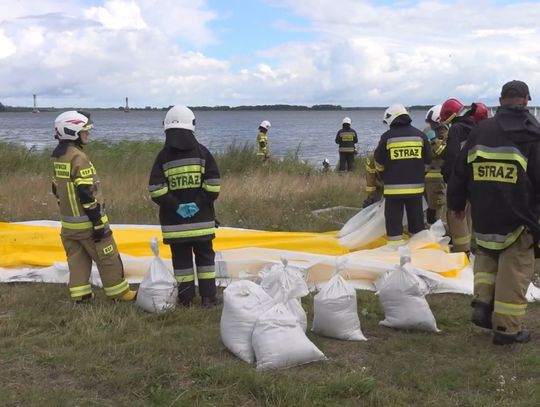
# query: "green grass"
[113,354]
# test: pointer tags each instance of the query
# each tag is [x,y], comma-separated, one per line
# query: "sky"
[95,53]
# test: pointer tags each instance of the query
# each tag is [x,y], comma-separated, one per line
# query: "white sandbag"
[279,342]
[243,303]
[158,289]
[335,311]
[402,295]
[286,284]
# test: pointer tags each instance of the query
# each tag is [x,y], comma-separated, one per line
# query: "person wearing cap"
[498,171]
[346,138]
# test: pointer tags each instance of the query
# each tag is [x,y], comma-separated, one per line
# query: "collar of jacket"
[401,120]
[180,139]
[518,123]
[62,146]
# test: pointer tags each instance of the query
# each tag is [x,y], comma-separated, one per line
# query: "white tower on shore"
[126,108]
[35,109]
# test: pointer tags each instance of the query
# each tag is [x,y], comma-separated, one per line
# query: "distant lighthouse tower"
[126,108]
[35,109]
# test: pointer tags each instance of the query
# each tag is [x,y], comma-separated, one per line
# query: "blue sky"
[211,52]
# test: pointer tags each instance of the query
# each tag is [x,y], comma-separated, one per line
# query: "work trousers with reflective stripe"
[460,230]
[393,215]
[502,278]
[104,253]
[346,161]
[436,198]
[182,259]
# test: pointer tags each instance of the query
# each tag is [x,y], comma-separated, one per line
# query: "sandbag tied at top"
[243,303]
[157,292]
[402,294]
[279,341]
[335,310]
[286,284]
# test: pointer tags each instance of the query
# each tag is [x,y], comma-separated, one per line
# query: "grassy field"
[108,354]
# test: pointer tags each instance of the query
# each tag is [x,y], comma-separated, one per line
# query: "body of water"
[312,133]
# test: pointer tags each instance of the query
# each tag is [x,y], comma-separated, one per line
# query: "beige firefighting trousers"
[502,279]
[436,196]
[80,254]
[460,230]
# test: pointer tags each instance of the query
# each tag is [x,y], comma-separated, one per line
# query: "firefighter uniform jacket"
[262,144]
[498,170]
[346,138]
[77,189]
[185,171]
[457,136]
[401,157]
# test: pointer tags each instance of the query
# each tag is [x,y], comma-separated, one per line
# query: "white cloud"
[362,54]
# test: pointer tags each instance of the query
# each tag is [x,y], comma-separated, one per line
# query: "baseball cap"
[515,89]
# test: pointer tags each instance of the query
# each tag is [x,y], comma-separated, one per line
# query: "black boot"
[481,315]
[500,338]
[209,302]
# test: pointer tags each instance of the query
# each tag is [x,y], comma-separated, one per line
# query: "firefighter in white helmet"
[86,235]
[263,149]
[346,138]
[185,182]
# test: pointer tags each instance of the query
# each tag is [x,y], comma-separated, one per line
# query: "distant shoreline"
[279,107]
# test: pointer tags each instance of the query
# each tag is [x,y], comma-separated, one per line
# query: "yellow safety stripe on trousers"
[346,149]
[497,242]
[206,275]
[72,199]
[370,169]
[497,153]
[188,233]
[80,290]
[434,174]
[117,289]
[184,279]
[507,308]
[82,225]
[184,169]
[461,240]
[379,167]
[401,144]
[159,192]
[370,189]
[403,189]
[484,278]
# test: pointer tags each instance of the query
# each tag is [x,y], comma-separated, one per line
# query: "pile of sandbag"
[268,327]
[158,289]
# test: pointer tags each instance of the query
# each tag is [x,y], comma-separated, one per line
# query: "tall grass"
[277,195]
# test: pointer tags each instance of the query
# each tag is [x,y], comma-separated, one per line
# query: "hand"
[187,210]
[98,231]
[367,202]
[459,215]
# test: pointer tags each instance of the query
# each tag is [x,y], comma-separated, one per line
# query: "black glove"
[100,231]
[367,202]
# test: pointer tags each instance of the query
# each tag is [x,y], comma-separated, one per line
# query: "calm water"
[310,131]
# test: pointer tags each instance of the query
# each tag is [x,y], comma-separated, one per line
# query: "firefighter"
[346,138]
[85,233]
[263,149]
[185,182]
[435,186]
[498,171]
[453,112]
[374,184]
[402,155]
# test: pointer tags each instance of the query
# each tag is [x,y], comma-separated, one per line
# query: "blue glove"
[187,210]
[431,135]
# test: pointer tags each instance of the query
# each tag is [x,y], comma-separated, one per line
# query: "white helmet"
[346,120]
[265,124]
[179,117]
[68,125]
[392,112]
[434,114]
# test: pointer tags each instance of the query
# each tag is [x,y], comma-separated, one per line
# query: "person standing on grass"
[346,138]
[263,149]
[402,156]
[86,234]
[498,172]
[185,182]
